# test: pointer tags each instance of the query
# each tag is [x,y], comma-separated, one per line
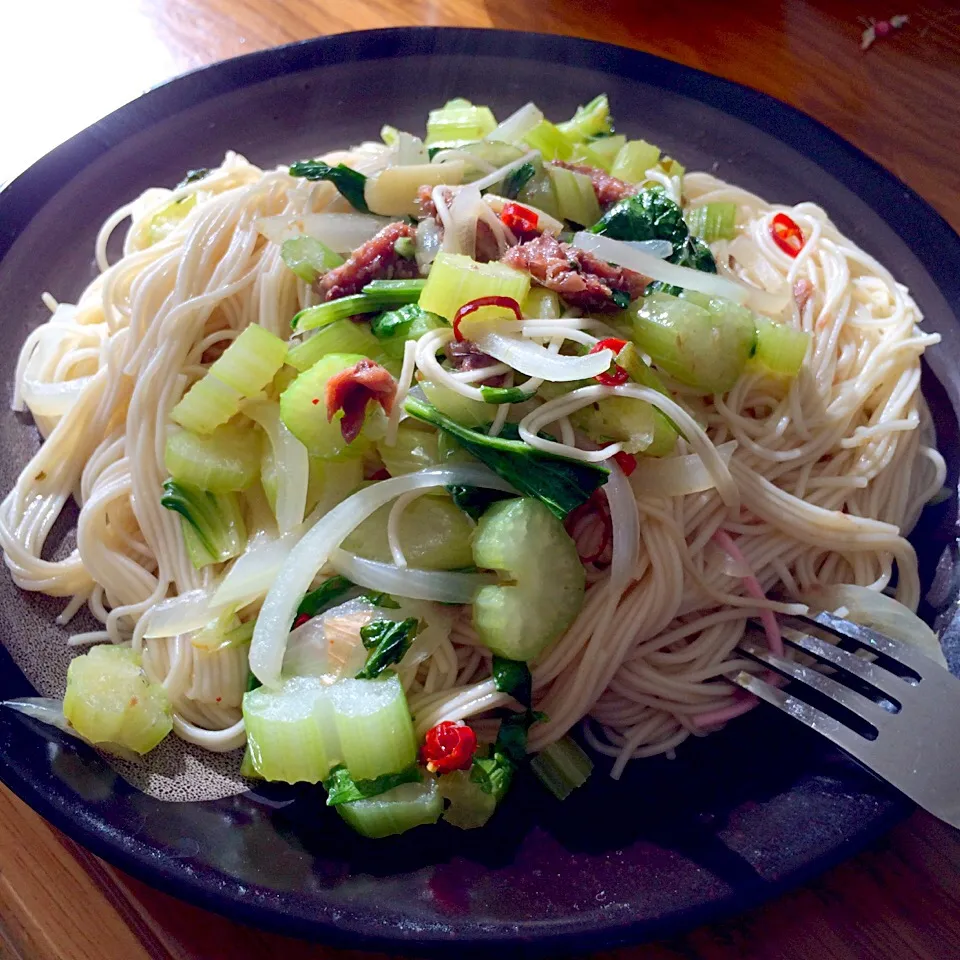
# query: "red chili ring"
[618,375]
[473,305]
[787,234]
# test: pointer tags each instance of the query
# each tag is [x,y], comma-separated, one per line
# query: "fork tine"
[870,639]
[862,706]
[886,682]
[811,717]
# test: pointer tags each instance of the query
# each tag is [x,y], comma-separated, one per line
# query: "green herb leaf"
[342,788]
[349,182]
[512,738]
[396,323]
[513,677]
[620,298]
[252,681]
[646,215]
[562,485]
[507,394]
[474,501]
[192,176]
[316,601]
[380,599]
[517,180]
[494,774]
[387,641]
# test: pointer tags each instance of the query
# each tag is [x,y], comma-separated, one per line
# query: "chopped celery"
[433,533]
[247,769]
[458,122]
[780,347]
[713,221]
[212,524]
[374,726]
[206,405]
[226,460]
[455,280]
[542,303]
[308,257]
[224,633]
[389,135]
[291,733]
[332,310]
[395,327]
[395,811]
[341,336]
[389,293]
[606,149]
[470,413]
[331,481]
[110,700]
[414,449]
[528,546]
[633,161]
[550,141]
[303,407]
[538,191]
[576,198]
[342,788]
[488,154]
[623,420]
[470,806]
[168,218]
[562,767]
[591,120]
[705,348]
[671,167]
[251,361]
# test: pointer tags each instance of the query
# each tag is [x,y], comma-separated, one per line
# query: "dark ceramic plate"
[734,819]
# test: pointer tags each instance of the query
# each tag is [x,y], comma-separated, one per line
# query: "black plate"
[735,818]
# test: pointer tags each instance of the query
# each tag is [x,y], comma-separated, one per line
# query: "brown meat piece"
[583,280]
[351,390]
[609,190]
[466,355]
[425,202]
[375,260]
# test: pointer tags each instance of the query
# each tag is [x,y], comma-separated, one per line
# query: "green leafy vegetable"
[517,180]
[342,788]
[192,176]
[213,528]
[621,299]
[396,323]
[394,292]
[474,501]
[316,601]
[694,253]
[647,215]
[387,641]
[508,394]
[349,182]
[380,599]
[495,773]
[513,677]
[562,485]
[591,120]
[512,738]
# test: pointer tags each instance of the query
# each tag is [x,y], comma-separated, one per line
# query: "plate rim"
[921,227]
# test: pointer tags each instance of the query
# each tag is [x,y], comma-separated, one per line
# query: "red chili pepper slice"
[300,621]
[627,462]
[616,375]
[786,234]
[519,218]
[473,305]
[449,746]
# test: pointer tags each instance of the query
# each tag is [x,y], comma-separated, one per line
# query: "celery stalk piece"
[605,149]
[541,303]
[562,767]
[396,811]
[434,534]
[469,805]
[471,413]
[168,218]
[633,161]
[528,546]
[376,296]
[781,348]
[225,461]
[550,141]
[341,336]
[309,257]
[576,198]
[458,122]
[456,279]
[247,769]
[623,420]
[373,725]
[208,404]
[590,120]
[713,221]
[251,361]
[414,449]
[291,734]
[110,700]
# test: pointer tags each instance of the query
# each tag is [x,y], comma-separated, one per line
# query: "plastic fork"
[907,707]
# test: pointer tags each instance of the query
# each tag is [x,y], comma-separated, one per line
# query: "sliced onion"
[461,236]
[428,241]
[184,614]
[438,622]
[677,476]
[872,609]
[409,150]
[52,399]
[313,551]
[517,125]
[625,523]
[255,571]
[293,464]
[343,232]
[536,361]
[625,255]
[661,249]
[441,586]
[491,178]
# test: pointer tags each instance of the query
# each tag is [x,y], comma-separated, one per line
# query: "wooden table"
[63,64]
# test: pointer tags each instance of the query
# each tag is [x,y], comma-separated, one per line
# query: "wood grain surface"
[63,63]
